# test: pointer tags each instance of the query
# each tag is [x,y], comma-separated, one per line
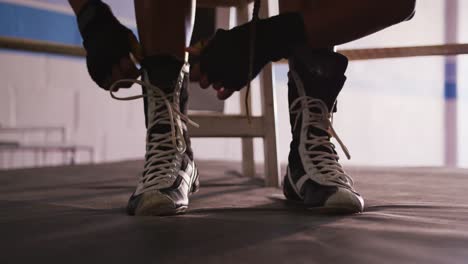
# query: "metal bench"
[40,150]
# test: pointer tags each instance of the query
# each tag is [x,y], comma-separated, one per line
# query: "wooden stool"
[264,126]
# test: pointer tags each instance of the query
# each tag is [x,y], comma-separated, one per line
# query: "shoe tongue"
[163,126]
[319,132]
[158,128]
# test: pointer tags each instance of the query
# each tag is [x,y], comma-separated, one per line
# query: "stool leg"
[269,109]
[270,139]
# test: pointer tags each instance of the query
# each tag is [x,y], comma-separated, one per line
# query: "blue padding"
[38,24]
[450,87]
[32,23]
[450,91]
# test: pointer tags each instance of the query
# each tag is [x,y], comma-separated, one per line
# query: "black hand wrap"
[226,58]
[106,40]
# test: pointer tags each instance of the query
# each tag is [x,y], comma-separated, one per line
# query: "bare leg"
[334,22]
[165,27]
[170,174]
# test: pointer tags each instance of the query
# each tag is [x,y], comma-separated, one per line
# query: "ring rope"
[352,54]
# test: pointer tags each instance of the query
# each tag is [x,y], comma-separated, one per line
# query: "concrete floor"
[76,215]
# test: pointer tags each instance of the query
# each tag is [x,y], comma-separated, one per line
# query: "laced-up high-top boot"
[169,174]
[314,176]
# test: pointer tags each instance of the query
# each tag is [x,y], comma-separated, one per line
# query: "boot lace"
[161,148]
[319,150]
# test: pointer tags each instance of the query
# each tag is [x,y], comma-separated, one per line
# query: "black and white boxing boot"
[314,176]
[170,174]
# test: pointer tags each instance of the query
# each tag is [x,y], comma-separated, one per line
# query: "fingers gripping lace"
[321,151]
[161,148]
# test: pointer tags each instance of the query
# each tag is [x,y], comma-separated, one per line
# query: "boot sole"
[167,207]
[326,210]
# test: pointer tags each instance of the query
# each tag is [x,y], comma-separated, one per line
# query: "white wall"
[43,90]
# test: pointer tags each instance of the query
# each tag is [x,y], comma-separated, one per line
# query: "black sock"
[163,70]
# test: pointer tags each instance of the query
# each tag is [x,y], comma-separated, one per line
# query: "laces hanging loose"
[173,111]
[253,32]
[161,148]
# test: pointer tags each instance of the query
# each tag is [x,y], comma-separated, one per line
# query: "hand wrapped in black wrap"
[225,60]
[108,44]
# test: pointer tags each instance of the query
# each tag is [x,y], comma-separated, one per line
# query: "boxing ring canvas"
[76,215]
